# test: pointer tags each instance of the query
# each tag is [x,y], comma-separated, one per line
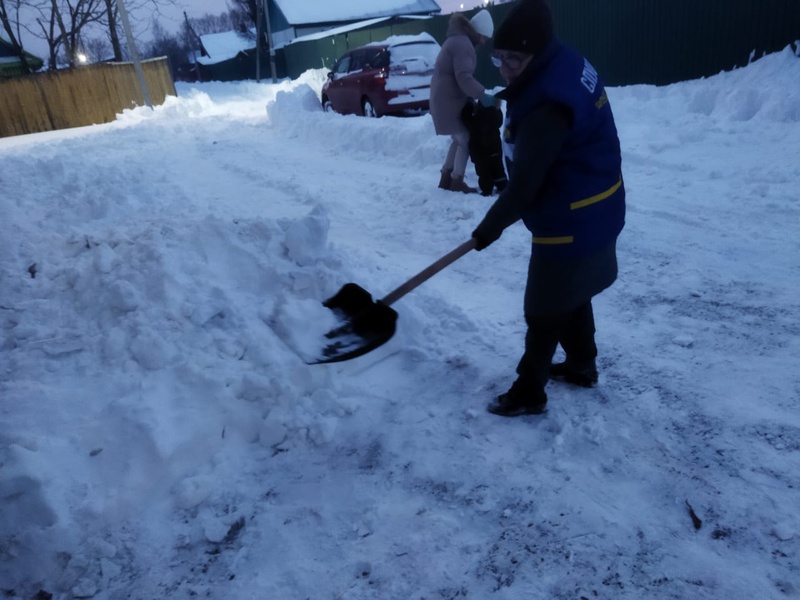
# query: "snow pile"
[765,91]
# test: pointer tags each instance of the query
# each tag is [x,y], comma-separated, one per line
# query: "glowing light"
[82,58]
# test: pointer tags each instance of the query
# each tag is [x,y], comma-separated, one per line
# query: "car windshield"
[416,58]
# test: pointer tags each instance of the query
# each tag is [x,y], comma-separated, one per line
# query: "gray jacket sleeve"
[539,139]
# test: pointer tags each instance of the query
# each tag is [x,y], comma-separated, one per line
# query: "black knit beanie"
[527,28]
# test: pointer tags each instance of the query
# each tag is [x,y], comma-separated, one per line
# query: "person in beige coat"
[453,82]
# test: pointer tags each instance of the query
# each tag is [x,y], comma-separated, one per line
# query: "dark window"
[379,59]
[342,66]
[373,58]
[358,61]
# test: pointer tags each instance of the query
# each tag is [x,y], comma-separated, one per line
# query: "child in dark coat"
[485,147]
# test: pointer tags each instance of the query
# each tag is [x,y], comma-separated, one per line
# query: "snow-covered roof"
[299,12]
[224,46]
[396,40]
[337,30]
[346,28]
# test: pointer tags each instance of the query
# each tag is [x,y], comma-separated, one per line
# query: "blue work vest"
[581,204]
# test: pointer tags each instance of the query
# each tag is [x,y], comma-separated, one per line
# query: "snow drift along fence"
[78,97]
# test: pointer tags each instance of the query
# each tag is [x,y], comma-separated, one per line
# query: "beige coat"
[453,78]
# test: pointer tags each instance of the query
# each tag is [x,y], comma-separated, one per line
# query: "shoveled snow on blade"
[302,325]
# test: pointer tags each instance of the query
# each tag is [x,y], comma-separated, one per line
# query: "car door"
[354,82]
[337,91]
[376,62]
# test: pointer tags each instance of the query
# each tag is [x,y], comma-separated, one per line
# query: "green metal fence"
[321,53]
[628,41]
[662,42]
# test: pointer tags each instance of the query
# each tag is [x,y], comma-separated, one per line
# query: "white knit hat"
[482,23]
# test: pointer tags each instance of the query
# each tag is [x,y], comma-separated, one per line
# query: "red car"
[381,78]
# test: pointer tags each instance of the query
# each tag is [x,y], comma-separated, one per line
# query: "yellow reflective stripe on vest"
[566,239]
[597,198]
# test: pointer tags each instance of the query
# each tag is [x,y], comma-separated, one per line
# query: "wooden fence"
[77,97]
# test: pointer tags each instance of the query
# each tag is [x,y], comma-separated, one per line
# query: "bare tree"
[164,44]
[212,23]
[80,14]
[111,21]
[152,8]
[62,23]
[97,49]
[243,14]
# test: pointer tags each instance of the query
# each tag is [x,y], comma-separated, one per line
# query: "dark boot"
[520,400]
[585,376]
[444,180]
[577,339]
[457,184]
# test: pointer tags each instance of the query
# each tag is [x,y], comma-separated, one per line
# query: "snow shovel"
[367,324]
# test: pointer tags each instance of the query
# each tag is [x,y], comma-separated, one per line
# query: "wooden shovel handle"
[429,272]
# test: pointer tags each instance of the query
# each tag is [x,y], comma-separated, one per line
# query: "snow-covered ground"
[158,438]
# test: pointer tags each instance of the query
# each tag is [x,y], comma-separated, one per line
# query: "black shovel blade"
[366,324]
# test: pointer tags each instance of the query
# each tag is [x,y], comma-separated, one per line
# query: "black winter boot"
[520,400]
[445,179]
[457,184]
[583,377]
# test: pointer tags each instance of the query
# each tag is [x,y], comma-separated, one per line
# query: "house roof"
[344,29]
[6,49]
[9,59]
[303,12]
[224,46]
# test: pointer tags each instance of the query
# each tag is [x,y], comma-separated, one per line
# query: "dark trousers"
[574,330]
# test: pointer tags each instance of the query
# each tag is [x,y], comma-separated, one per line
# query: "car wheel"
[326,105]
[369,109]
